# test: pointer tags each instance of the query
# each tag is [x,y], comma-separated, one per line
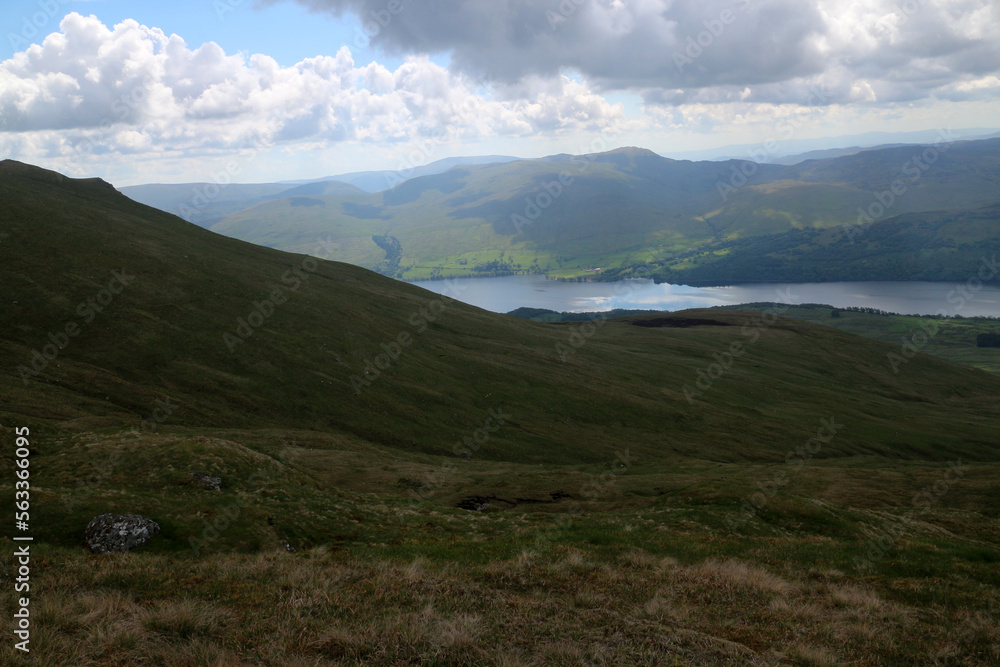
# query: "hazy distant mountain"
[563,215]
[243,337]
[316,188]
[201,203]
[776,148]
[376,181]
[827,153]
[207,203]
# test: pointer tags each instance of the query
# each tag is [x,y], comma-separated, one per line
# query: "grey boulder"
[118,533]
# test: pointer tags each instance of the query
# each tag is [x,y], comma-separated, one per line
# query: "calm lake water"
[506,293]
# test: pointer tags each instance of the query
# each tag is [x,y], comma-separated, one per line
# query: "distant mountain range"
[112,308]
[376,181]
[783,149]
[206,203]
[631,212]
[360,471]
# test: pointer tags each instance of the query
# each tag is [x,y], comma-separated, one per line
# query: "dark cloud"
[699,50]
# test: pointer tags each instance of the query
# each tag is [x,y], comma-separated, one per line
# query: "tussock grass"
[622,531]
[569,608]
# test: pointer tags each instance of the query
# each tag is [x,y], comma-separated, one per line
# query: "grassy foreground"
[697,488]
[573,607]
[852,561]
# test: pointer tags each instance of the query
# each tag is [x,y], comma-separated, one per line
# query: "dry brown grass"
[317,608]
[736,574]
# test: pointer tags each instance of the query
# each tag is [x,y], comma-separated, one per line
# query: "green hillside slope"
[195,322]
[566,214]
[407,479]
[933,245]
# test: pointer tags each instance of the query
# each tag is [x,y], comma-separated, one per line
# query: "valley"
[896,213]
[718,486]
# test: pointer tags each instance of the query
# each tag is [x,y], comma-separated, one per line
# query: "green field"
[499,492]
[952,338]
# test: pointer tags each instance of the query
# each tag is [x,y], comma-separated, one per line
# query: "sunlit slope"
[565,214]
[241,336]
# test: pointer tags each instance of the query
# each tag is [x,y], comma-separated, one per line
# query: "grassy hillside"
[207,203]
[934,245]
[566,214]
[952,338]
[493,491]
[202,203]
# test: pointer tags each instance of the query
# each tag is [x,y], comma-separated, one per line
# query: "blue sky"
[287,32]
[176,91]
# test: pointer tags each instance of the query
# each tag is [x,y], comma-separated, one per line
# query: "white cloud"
[698,50]
[88,90]
[520,80]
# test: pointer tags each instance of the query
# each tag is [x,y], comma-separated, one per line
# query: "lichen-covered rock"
[118,533]
[207,480]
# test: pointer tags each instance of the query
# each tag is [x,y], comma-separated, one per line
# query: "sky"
[268,90]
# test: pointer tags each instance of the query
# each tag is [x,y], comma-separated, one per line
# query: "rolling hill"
[194,322]
[406,478]
[202,203]
[206,203]
[932,245]
[376,181]
[566,214]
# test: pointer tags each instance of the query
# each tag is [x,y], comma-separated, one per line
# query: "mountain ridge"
[563,215]
[244,336]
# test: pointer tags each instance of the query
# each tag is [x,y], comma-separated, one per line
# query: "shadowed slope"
[237,335]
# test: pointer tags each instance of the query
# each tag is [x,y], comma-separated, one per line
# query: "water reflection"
[506,293]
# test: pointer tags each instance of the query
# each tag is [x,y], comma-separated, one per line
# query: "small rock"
[207,480]
[118,533]
[288,547]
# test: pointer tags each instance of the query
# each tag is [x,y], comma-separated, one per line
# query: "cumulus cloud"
[132,88]
[677,51]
